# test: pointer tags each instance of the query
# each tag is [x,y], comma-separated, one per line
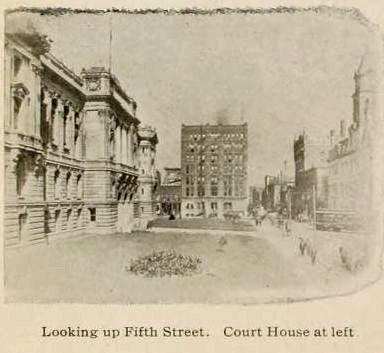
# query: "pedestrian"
[287,227]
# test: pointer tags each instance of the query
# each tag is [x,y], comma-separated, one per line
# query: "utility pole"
[314,205]
[289,194]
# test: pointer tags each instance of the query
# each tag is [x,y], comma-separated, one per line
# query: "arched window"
[69,212]
[56,183]
[53,122]
[112,143]
[22,222]
[21,176]
[67,185]
[65,125]
[16,110]
[79,187]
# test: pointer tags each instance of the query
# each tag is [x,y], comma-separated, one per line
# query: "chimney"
[342,128]
[332,137]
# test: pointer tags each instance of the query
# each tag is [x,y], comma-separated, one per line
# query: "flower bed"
[165,263]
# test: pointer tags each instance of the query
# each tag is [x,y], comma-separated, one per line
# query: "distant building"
[169,193]
[311,174]
[214,170]
[255,196]
[351,155]
[277,191]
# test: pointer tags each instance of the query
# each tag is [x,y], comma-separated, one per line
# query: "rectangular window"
[57,220]
[78,220]
[69,212]
[92,214]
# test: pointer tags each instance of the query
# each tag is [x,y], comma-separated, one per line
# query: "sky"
[280,73]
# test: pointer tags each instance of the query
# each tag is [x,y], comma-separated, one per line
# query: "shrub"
[349,264]
[165,263]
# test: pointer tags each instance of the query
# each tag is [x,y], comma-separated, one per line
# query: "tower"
[147,171]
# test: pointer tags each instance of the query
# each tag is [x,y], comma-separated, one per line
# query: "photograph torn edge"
[351,12]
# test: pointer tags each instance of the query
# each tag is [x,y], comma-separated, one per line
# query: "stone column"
[36,100]
[82,147]
[57,125]
[127,148]
[118,143]
[77,147]
[123,145]
[71,129]
[130,147]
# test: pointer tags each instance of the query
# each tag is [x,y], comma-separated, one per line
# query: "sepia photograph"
[228,156]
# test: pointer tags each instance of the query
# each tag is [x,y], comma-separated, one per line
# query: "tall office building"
[214,170]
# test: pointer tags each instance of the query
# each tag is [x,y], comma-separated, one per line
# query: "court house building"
[77,158]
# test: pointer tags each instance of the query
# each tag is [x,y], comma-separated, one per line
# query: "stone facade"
[71,148]
[214,170]
[148,180]
[352,155]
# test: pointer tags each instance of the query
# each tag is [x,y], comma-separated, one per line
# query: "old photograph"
[227,156]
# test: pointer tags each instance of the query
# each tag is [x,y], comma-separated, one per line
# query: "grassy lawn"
[205,223]
[93,270]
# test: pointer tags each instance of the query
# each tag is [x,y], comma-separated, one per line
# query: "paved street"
[252,267]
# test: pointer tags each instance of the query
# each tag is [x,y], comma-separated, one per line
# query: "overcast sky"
[281,73]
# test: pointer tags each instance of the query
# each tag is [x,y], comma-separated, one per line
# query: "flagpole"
[110,45]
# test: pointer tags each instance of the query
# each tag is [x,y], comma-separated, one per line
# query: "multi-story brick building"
[311,173]
[214,170]
[72,147]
